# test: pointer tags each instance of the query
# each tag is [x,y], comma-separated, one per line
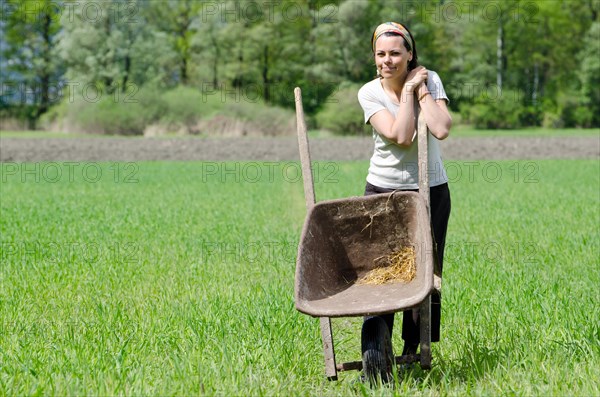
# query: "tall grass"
[177,278]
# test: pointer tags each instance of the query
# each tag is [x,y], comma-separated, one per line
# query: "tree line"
[504,63]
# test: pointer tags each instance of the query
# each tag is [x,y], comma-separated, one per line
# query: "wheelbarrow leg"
[425,325]
[327,337]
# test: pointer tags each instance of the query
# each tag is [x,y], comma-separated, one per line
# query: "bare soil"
[281,149]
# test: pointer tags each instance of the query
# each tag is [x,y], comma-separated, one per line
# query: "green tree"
[178,20]
[113,48]
[589,74]
[527,48]
[30,30]
[95,46]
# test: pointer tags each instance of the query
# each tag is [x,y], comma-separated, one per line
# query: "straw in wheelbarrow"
[399,266]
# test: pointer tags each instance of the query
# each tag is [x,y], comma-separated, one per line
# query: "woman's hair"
[414,62]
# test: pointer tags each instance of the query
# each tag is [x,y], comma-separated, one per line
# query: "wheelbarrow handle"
[307,176]
[303,146]
[422,137]
[309,196]
[422,140]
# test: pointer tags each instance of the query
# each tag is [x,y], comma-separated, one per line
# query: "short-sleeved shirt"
[393,166]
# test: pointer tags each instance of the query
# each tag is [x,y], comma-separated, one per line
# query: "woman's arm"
[436,113]
[401,129]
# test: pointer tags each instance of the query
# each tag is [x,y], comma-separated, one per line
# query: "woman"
[403,91]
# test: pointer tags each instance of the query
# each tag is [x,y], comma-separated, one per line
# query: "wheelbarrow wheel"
[377,351]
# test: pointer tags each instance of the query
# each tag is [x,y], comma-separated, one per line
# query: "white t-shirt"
[392,166]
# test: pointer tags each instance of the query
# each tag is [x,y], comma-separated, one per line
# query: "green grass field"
[468,131]
[175,278]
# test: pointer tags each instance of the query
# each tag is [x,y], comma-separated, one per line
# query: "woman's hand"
[415,78]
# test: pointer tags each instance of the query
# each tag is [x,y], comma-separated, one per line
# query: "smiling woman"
[392,103]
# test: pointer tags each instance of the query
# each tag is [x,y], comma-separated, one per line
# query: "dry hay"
[398,266]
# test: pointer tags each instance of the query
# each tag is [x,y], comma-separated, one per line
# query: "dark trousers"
[440,213]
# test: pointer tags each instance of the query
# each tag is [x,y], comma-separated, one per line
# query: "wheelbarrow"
[340,242]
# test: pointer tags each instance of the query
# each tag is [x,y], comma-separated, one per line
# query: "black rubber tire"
[377,351]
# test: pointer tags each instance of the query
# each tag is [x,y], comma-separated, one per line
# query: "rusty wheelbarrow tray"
[339,243]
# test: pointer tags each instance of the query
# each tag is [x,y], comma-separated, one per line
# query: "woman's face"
[391,56]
